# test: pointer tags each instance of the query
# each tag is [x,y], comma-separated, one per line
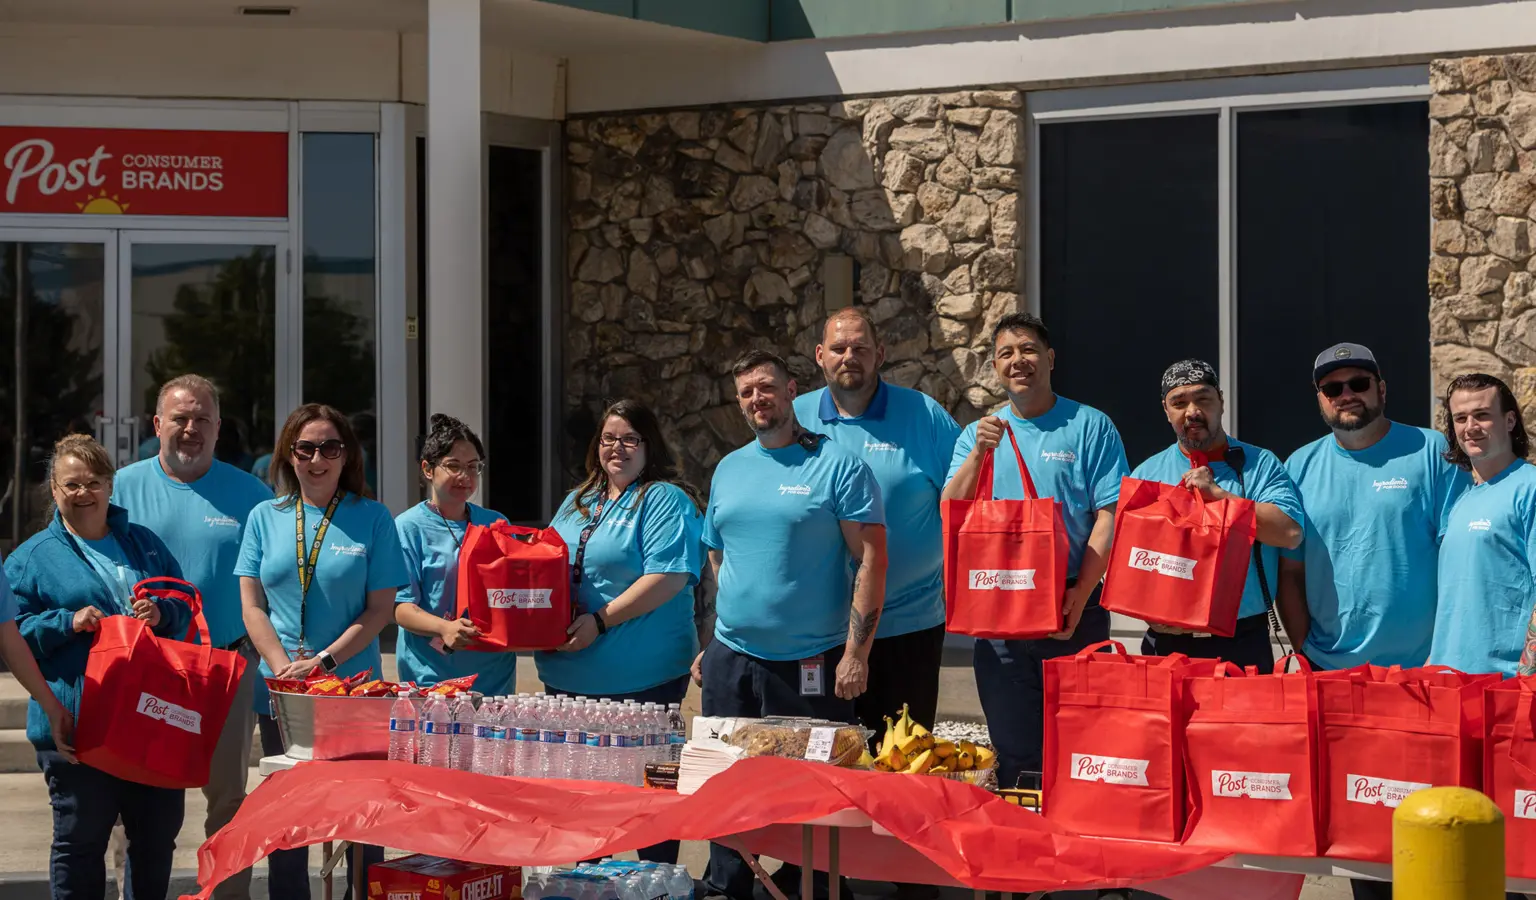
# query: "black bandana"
[1187,372]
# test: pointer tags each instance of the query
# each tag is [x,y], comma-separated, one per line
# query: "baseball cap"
[1344,356]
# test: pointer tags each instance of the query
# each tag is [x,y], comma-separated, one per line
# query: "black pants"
[1249,645]
[902,669]
[288,870]
[736,684]
[86,805]
[666,694]
[1010,681]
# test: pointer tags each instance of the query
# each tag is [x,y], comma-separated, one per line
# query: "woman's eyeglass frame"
[94,486]
[458,469]
[629,441]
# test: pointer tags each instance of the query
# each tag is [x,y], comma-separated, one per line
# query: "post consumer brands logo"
[1251,785]
[1002,579]
[1379,791]
[518,598]
[486,888]
[1163,563]
[1109,769]
[165,711]
[1525,804]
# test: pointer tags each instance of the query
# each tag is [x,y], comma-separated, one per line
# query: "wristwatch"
[597,619]
[327,661]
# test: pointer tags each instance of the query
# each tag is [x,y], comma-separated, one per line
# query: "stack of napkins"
[705,755]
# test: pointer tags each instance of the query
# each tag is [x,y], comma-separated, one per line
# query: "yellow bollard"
[1447,844]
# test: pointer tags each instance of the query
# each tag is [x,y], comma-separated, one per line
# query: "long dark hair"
[1481,382]
[660,462]
[285,481]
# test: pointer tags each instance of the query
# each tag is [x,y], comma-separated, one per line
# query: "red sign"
[144,173]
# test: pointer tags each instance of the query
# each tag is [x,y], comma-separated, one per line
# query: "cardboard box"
[434,878]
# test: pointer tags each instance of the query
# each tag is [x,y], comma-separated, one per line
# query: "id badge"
[812,680]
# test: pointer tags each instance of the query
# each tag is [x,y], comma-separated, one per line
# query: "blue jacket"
[52,580]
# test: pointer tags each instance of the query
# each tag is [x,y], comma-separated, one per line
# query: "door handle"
[128,441]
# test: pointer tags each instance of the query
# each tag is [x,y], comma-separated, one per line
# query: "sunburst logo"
[103,205]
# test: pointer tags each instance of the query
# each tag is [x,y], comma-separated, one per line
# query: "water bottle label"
[527,734]
[597,740]
[402,724]
[439,728]
[463,728]
[678,738]
[615,740]
[575,737]
[484,732]
[552,737]
[499,734]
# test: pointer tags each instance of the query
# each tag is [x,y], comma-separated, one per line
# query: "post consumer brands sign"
[144,173]
[518,598]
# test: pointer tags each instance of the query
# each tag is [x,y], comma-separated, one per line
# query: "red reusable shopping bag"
[1179,559]
[1251,745]
[152,708]
[1114,742]
[515,585]
[1385,734]
[1005,561]
[1509,768]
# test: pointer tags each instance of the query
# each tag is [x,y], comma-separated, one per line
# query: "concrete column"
[455,301]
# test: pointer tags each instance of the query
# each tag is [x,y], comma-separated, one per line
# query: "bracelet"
[597,619]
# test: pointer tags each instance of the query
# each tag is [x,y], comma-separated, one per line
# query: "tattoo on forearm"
[1528,655]
[862,625]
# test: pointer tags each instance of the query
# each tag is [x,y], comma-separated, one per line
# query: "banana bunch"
[910,748]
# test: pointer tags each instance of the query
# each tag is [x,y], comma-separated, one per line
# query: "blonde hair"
[86,449]
[196,384]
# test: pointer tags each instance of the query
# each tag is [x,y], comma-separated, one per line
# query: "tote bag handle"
[984,481]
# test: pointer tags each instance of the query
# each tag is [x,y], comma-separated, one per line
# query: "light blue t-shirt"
[1488,575]
[111,564]
[202,523]
[361,553]
[1264,481]
[786,577]
[661,537]
[8,605]
[906,438]
[1372,543]
[1074,455]
[431,546]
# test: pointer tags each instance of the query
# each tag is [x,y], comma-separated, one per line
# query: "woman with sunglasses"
[319,567]
[67,578]
[433,637]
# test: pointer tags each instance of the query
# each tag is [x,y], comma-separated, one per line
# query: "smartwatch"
[327,661]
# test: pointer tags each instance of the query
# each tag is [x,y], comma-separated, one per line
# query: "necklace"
[457,544]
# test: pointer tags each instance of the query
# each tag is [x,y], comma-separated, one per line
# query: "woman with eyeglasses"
[67,578]
[319,567]
[433,637]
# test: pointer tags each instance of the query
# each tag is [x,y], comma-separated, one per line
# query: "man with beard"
[1361,588]
[1074,454]
[906,439]
[1220,468]
[199,506]
[795,527]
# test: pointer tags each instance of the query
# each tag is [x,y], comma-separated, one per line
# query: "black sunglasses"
[1333,390]
[306,450]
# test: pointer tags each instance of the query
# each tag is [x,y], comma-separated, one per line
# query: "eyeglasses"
[1333,390]
[455,468]
[630,441]
[306,450]
[75,487]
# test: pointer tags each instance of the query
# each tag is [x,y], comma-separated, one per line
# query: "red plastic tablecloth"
[944,832]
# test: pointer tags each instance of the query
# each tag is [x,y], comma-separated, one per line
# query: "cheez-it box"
[434,878]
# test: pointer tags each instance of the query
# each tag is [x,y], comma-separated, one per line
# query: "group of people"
[1379,542]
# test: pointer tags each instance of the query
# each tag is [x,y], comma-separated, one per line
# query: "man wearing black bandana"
[1206,459]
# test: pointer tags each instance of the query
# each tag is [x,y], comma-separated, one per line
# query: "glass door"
[57,342]
[209,303]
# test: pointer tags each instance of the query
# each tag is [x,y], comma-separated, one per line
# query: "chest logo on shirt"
[1480,525]
[1002,579]
[1162,563]
[349,550]
[1395,484]
[1061,456]
[798,490]
[221,522]
[518,598]
[880,447]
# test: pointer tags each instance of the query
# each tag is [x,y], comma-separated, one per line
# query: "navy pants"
[1249,645]
[666,694]
[736,684]
[1010,682]
[86,804]
[288,870]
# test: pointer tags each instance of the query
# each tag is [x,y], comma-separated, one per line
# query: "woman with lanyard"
[634,536]
[433,638]
[67,578]
[319,567]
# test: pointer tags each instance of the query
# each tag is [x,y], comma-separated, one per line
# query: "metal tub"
[316,727]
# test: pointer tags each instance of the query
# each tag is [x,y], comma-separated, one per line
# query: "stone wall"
[1482,272]
[696,235]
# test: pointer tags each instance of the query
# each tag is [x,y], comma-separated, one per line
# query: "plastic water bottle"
[525,751]
[552,741]
[593,738]
[632,759]
[680,883]
[402,728]
[436,734]
[677,732]
[576,754]
[462,747]
[487,755]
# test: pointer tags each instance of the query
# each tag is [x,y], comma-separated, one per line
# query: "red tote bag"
[515,585]
[152,708]
[1509,768]
[1251,746]
[1179,559]
[1114,742]
[1385,734]
[1005,561]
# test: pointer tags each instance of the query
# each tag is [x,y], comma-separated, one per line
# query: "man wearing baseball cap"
[1377,494]
[1221,467]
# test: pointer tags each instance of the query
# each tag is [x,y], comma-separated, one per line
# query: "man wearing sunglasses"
[1361,588]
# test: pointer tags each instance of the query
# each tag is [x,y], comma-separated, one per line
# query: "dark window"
[1128,262]
[1332,234]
